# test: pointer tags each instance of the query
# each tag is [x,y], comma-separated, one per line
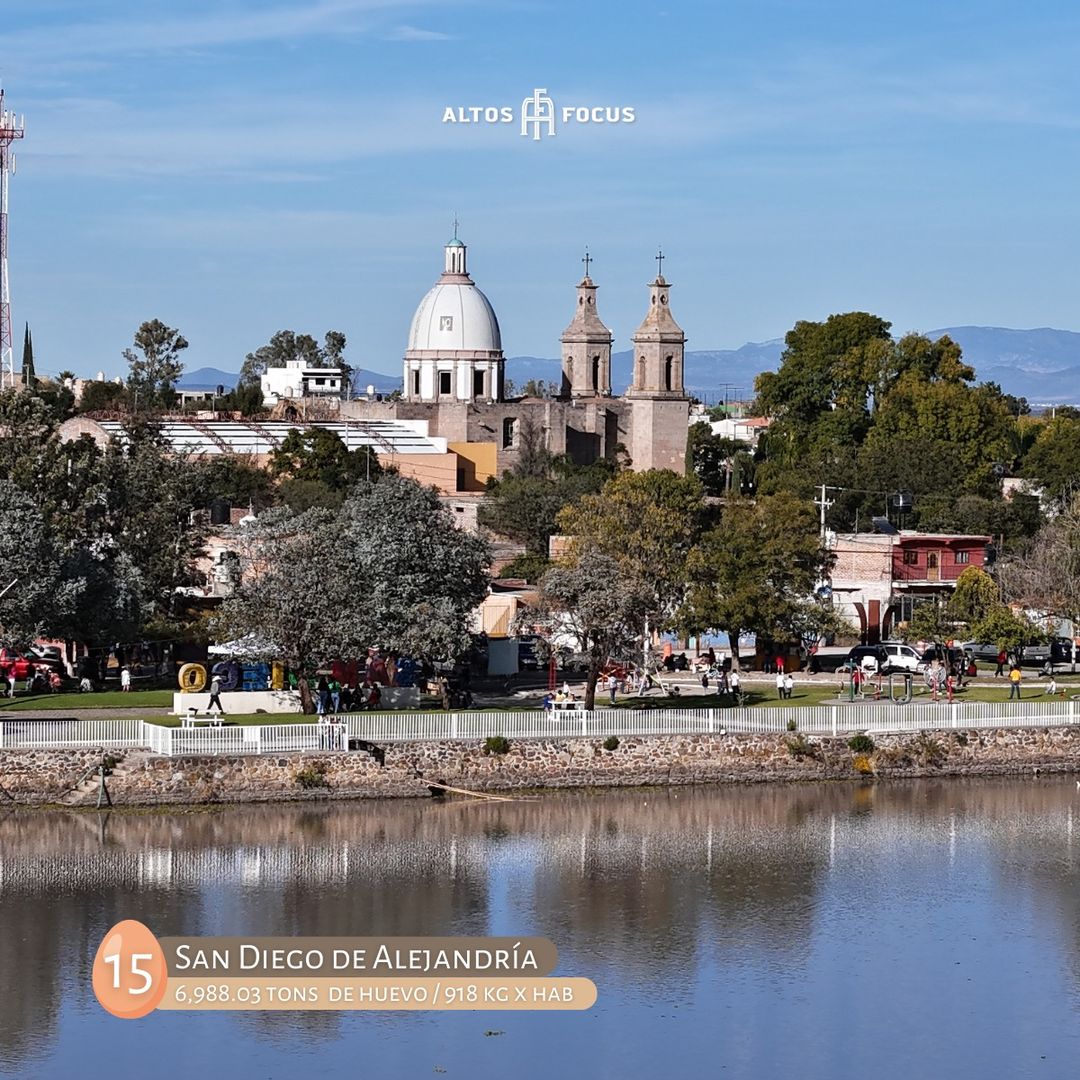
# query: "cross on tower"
[660,262]
[586,260]
[455,226]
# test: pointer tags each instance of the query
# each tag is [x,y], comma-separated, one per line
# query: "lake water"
[904,930]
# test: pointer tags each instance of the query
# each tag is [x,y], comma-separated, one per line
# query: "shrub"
[927,749]
[529,567]
[863,764]
[897,756]
[496,744]
[611,742]
[801,747]
[314,776]
[793,724]
[861,744]
[961,739]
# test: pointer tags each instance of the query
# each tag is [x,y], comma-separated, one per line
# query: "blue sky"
[238,168]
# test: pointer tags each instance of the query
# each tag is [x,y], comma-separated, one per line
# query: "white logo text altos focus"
[539,115]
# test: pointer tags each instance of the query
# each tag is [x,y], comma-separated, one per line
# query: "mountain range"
[1042,365]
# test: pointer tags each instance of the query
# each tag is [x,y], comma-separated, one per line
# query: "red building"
[929,559]
[879,579]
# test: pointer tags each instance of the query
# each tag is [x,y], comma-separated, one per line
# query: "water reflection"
[639,890]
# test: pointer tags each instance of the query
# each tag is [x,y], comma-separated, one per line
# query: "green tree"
[592,601]
[1007,630]
[103,397]
[233,479]
[286,346]
[820,396]
[976,595]
[389,568]
[154,364]
[756,571]
[525,503]
[1053,462]
[929,621]
[29,568]
[648,522]
[712,459]
[317,468]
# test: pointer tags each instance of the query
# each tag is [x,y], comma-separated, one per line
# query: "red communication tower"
[10,130]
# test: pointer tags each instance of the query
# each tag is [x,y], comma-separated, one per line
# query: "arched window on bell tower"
[668,363]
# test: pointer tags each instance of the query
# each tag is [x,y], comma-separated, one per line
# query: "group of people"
[332,697]
[40,681]
[562,699]
[785,684]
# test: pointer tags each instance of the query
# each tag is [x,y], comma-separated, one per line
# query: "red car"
[12,665]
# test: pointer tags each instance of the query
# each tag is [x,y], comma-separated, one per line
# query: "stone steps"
[86,793]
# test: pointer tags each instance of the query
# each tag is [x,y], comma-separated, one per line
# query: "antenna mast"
[10,129]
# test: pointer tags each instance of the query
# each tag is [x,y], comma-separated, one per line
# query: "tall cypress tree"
[29,378]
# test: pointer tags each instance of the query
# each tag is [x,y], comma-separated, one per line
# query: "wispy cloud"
[416,33]
[201,29]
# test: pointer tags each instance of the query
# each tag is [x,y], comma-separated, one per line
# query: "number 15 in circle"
[130,974]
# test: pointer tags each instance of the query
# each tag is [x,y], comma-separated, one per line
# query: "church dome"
[454,316]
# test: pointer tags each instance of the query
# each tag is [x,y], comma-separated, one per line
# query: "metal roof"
[261,437]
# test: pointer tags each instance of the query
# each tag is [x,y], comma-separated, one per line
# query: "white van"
[902,657]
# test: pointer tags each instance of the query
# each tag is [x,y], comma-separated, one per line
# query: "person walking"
[125,679]
[1001,658]
[335,695]
[733,682]
[215,695]
[1014,682]
[613,686]
[789,685]
[780,684]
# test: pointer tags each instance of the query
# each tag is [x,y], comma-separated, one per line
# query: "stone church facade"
[454,378]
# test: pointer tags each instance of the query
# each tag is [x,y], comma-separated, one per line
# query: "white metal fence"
[843,719]
[172,741]
[838,720]
[31,734]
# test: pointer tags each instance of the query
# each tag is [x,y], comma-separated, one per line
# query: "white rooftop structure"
[262,437]
[297,380]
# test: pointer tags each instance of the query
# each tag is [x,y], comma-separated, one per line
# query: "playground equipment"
[873,686]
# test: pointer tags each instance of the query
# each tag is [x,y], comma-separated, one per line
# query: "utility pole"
[823,503]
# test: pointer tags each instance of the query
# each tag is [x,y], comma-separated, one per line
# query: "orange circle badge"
[130,974]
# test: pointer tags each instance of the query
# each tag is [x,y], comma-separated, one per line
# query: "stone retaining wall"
[45,776]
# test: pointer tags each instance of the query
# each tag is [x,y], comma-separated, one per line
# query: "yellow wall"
[477,460]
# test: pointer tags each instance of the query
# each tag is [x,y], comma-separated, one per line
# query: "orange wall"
[436,470]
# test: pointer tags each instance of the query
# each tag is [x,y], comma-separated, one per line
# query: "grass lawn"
[107,699]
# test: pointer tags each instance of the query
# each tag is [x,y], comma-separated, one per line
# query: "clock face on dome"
[446,322]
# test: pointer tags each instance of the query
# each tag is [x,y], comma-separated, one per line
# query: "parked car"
[872,658]
[902,657]
[982,650]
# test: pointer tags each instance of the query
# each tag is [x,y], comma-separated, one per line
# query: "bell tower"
[659,346]
[586,346]
[659,407]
